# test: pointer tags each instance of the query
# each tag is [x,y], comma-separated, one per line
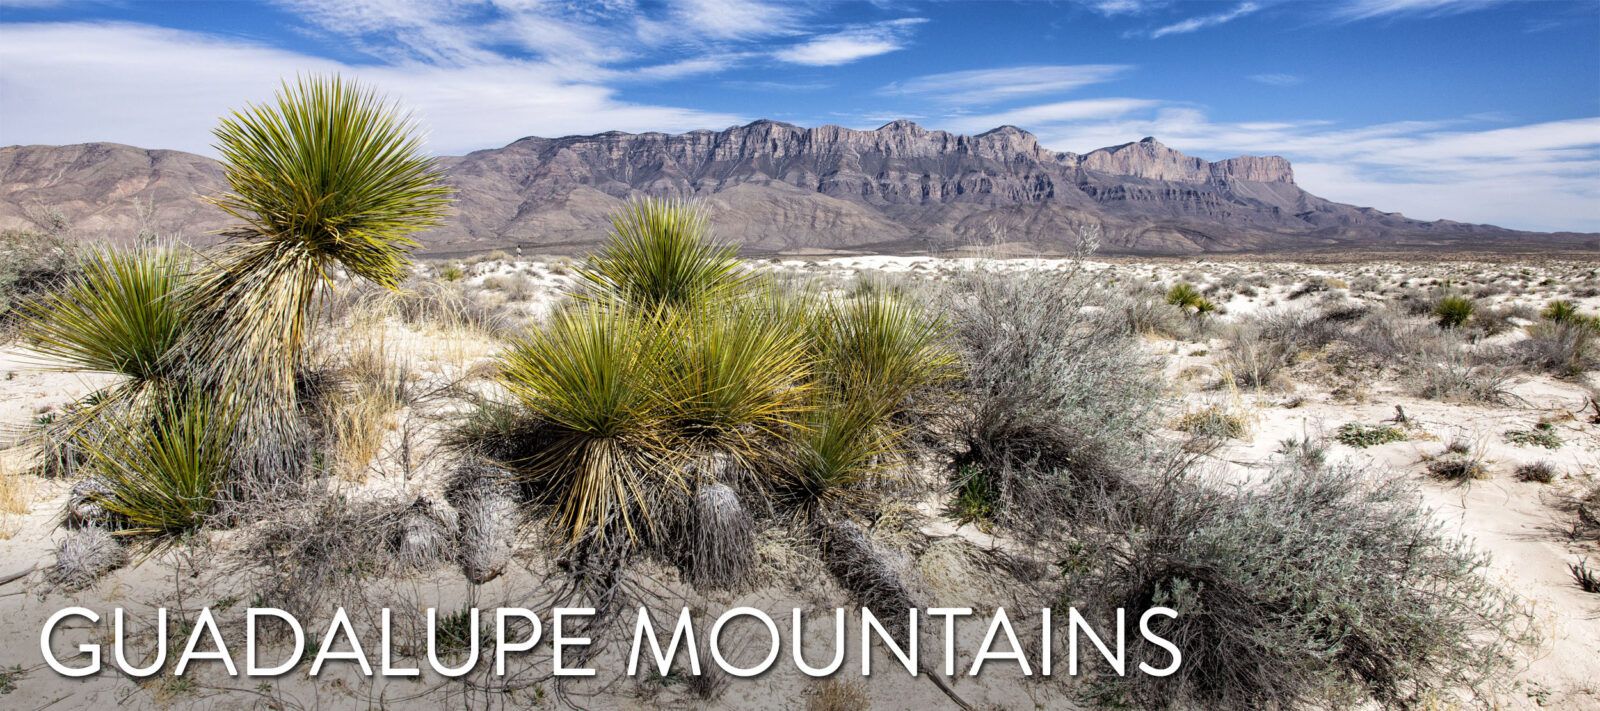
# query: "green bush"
[1360,436]
[1453,311]
[1540,435]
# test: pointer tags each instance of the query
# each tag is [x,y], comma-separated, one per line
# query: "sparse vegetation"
[1361,436]
[1541,472]
[1540,435]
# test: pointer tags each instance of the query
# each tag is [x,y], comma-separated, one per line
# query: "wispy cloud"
[1196,23]
[1123,7]
[986,86]
[1543,176]
[851,44]
[1365,9]
[1048,114]
[169,87]
[736,19]
[1277,79]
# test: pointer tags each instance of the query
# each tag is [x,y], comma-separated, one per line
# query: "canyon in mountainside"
[774,187]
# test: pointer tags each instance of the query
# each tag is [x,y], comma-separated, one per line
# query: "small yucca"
[880,349]
[1453,311]
[120,314]
[734,378]
[162,468]
[584,379]
[1184,296]
[661,255]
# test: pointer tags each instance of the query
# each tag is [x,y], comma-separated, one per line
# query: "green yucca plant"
[163,466]
[661,255]
[328,176]
[1184,296]
[841,448]
[1560,311]
[120,314]
[735,377]
[584,380]
[1453,311]
[881,349]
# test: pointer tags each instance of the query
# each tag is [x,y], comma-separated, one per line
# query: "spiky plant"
[837,454]
[601,452]
[1184,296]
[880,349]
[120,314]
[1453,311]
[734,378]
[328,177]
[1560,311]
[162,468]
[661,255]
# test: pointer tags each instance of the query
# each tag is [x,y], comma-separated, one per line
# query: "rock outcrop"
[778,187]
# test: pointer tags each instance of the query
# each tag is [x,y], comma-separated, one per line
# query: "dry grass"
[16,496]
[362,415]
[838,695]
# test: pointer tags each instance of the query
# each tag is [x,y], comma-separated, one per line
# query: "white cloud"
[1122,7]
[159,88]
[1203,21]
[1277,79]
[1542,176]
[1365,9]
[1048,114]
[851,44]
[985,86]
[735,19]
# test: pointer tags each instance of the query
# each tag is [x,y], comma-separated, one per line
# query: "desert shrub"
[838,695]
[1305,452]
[1445,370]
[1460,462]
[1453,311]
[451,273]
[1146,313]
[1314,587]
[446,306]
[32,263]
[83,557]
[1540,435]
[1540,471]
[1565,348]
[1360,436]
[1054,388]
[1212,422]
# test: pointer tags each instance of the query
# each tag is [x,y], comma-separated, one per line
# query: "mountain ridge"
[778,187]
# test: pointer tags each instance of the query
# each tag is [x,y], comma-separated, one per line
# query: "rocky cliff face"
[778,187]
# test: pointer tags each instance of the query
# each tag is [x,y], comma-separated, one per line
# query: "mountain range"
[778,188]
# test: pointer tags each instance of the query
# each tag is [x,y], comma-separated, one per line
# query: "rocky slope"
[778,187]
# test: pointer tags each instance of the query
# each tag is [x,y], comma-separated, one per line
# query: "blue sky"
[1476,110]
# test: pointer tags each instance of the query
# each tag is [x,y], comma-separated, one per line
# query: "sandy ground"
[1522,525]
